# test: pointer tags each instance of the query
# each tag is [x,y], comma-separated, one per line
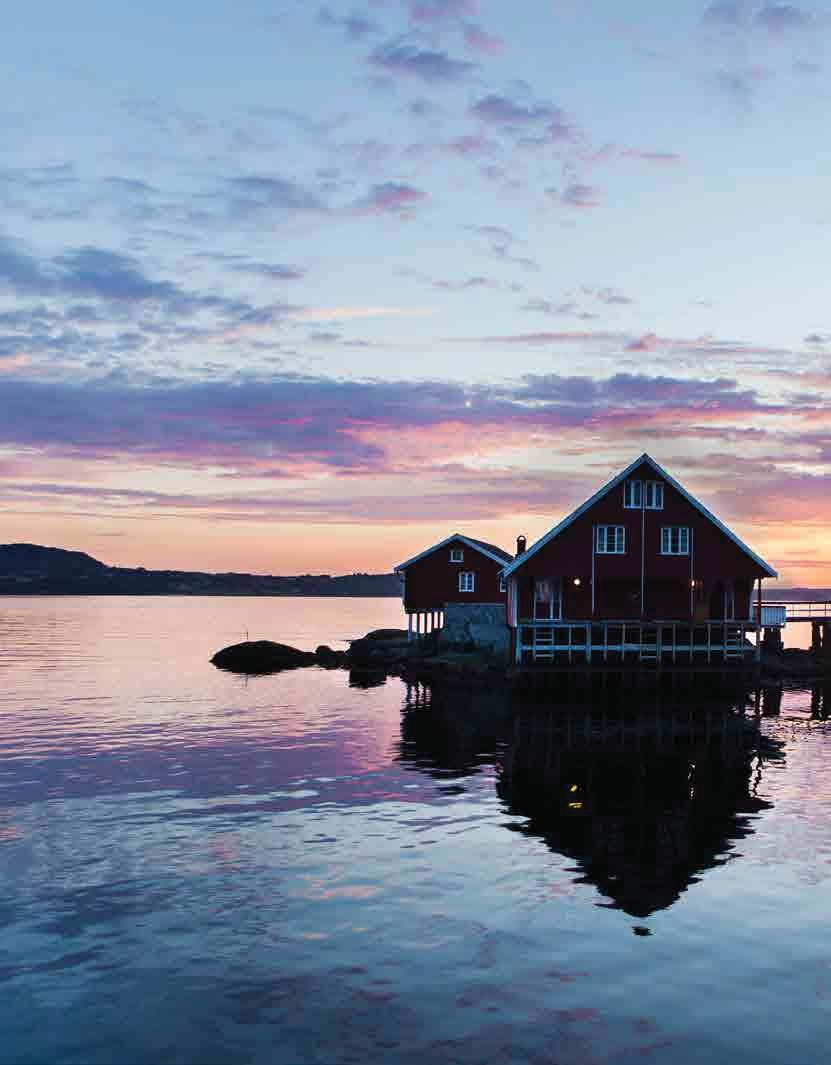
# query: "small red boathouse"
[459,569]
[641,568]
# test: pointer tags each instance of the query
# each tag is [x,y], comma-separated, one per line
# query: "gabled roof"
[492,552]
[615,481]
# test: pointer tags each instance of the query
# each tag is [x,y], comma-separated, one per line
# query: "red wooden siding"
[433,580]
[713,560]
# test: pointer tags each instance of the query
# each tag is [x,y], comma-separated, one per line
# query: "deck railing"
[792,610]
[621,641]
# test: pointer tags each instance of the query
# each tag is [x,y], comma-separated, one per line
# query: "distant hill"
[804,595]
[29,569]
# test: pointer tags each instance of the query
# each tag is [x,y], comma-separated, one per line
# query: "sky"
[290,287]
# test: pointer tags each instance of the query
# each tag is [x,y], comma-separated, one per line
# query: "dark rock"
[261,656]
[328,658]
[379,646]
[399,635]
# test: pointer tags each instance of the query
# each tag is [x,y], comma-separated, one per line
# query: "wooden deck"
[619,642]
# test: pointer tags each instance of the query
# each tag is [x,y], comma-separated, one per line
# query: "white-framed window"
[654,495]
[611,540]
[467,581]
[675,540]
[457,554]
[633,495]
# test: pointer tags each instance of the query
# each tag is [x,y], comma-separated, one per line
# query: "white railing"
[793,610]
[656,641]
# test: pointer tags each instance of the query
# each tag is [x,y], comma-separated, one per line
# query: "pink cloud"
[477,40]
[648,342]
[469,144]
[436,10]
[392,197]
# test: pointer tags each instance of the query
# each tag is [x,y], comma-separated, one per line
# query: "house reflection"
[450,734]
[643,794]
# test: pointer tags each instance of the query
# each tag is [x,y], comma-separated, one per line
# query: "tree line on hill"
[30,569]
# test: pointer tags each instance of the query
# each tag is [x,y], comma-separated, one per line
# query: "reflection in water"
[821,701]
[204,868]
[367,678]
[643,795]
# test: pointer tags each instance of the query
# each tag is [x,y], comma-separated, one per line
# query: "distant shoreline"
[28,594]
[32,569]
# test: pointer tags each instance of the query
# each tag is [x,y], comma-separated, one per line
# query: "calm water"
[316,868]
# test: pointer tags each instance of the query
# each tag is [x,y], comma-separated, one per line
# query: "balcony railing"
[777,614]
[621,641]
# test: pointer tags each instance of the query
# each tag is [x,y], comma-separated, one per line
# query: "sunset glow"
[293,288]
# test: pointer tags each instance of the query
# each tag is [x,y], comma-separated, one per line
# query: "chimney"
[520,546]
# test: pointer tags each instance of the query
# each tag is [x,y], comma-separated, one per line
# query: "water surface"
[318,867]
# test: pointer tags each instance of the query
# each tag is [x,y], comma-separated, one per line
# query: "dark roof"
[492,548]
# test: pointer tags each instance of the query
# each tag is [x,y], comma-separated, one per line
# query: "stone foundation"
[479,626]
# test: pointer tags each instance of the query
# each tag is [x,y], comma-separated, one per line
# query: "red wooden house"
[459,569]
[642,567]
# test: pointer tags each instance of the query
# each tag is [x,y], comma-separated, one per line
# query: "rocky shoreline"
[388,651]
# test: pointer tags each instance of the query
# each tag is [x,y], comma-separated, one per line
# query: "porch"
[632,641]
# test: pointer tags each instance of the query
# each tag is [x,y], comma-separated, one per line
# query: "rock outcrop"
[262,656]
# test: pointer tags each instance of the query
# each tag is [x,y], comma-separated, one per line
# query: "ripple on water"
[200,868]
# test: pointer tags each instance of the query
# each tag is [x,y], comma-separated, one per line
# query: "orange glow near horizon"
[802,555]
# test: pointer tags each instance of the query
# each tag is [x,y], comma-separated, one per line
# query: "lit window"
[675,540]
[611,540]
[654,495]
[466,581]
[457,554]
[633,495]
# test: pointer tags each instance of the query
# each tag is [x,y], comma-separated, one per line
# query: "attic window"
[654,495]
[457,554]
[467,582]
[633,495]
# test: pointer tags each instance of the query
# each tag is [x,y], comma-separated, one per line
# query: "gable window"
[611,539]
[457,554]
[675,540]
[633,495]
[467,581]
[654,495]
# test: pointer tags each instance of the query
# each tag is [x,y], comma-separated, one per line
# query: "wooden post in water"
[816,638]
[771,702]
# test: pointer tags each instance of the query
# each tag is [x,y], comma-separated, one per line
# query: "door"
[729,601]
[548,599]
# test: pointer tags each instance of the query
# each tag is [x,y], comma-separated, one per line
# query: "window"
[633,495]
[466,581]
[457,554]
[654,495]
[611,539]
[675,540]
[502,584]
